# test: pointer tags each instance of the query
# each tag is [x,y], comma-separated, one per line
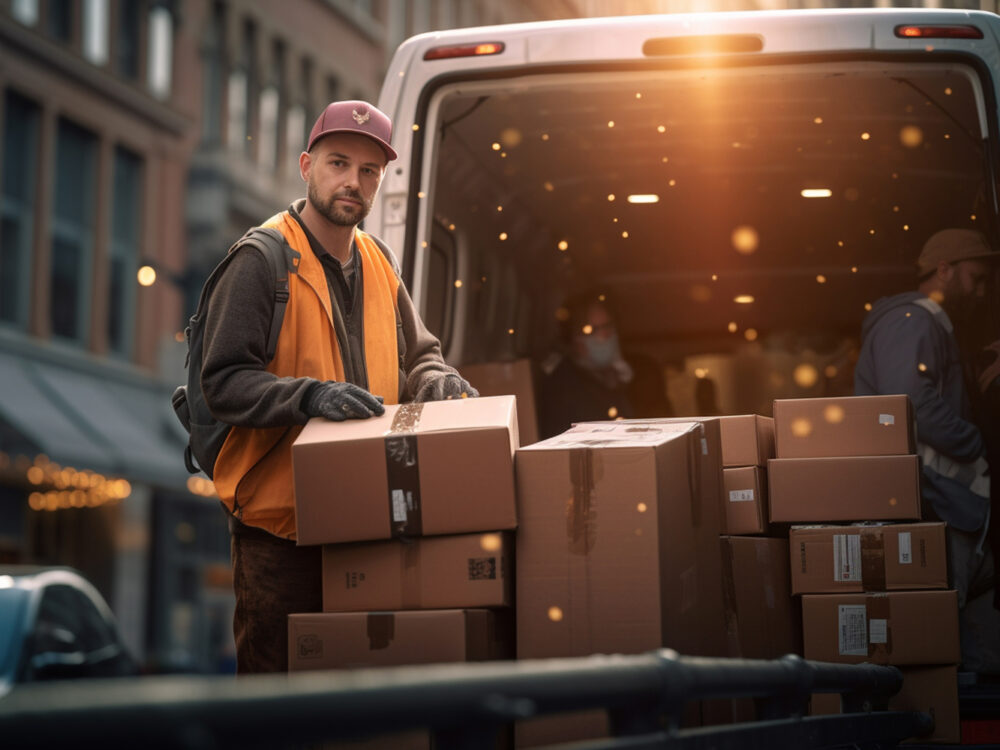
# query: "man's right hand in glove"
[340,401]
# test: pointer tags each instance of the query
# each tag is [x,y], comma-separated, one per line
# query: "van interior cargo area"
[740,219]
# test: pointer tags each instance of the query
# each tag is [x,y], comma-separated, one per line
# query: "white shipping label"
[886,419]
[878,631]
[704,447]
[741,496]
[398,506]
[852,630]
[905,554]
[847,557]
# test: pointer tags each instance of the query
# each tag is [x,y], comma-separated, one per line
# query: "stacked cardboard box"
[413,510]
[871,591]
[619,528]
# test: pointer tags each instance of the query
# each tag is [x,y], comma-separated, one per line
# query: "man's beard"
[336,215]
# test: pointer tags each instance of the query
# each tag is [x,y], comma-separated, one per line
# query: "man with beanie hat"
[350,341]
[908,346]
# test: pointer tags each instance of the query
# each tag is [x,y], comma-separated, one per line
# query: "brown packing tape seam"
[877,607]
[410,576]
[872,559]
[402,469]
[586,469]
[381,630]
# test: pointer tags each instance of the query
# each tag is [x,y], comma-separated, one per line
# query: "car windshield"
[717,206]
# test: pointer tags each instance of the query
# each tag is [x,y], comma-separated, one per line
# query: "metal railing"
[467,705]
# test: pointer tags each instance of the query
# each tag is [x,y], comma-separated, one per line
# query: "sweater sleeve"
[234,379]
[911,359]
[422,360]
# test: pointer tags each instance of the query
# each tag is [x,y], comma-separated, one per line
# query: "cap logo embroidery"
[359,118]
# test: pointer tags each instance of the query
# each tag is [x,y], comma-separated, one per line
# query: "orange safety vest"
[253,473]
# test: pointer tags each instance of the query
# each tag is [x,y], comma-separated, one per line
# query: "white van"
[740,185]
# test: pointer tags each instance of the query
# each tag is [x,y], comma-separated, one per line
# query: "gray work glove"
[445,387]
[340,401]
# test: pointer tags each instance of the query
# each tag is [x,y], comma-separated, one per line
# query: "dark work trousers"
[272,578]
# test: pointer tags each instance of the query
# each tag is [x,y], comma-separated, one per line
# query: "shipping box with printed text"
[844,426]
[349,640]
[436,572]
[883,557]
[853,488]
[745,496]
[443,467]
[898,627]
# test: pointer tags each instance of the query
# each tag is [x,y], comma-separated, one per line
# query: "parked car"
[55,625]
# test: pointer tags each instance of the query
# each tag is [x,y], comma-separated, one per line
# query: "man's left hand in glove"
[444,388]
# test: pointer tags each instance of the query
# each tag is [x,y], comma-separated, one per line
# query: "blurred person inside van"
[589,378]
[910,344]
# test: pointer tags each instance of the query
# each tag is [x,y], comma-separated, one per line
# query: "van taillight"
[464,50]
[939,32]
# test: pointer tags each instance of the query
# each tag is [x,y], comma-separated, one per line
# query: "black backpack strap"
[283,261]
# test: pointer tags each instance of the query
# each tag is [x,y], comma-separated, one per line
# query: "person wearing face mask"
[593,380]
[909,346]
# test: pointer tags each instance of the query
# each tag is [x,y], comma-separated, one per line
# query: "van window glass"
[685,194]
[440,283]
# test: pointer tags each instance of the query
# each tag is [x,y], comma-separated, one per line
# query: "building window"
[270,109]
[295,142]
[95,31]
[72,231]
[242,83]
[126,223]
[59,20]
[128,38]
[332,90]
[17,206]
[161,52]
[25,11]
[213,57]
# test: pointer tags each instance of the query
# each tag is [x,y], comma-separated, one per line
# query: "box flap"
[619,434]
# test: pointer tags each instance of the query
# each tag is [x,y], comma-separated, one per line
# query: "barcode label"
[886,419]
[852,630]
[741,496]
[905,548]
[878,631]
[847,557]
[398,506]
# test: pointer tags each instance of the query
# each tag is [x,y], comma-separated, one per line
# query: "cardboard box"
[747,440]
[899,627]
[347,640]
[610,552]
[845,426]
[763,621]
[832,559]
[509,378]
[444,467]
[933,690]
[437,572]
[856,488]
[745,500]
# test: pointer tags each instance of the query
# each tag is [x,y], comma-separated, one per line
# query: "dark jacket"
[907,346]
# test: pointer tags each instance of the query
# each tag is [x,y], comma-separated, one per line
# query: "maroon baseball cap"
[354,117]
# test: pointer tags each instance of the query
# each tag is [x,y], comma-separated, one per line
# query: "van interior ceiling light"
[958,31]
[644,198]
[816,193]
[464,50]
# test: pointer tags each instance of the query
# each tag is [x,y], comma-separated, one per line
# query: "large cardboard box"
[747,440]
[899,627]
[745,496]
[608,556]
[444,467]
[347,640]
[437,572]
[893,557]
[509,378]
[844,426]
[763,621]
[856,488]
[932,690]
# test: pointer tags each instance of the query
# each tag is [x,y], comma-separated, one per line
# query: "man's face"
[343,173]
[965,288]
